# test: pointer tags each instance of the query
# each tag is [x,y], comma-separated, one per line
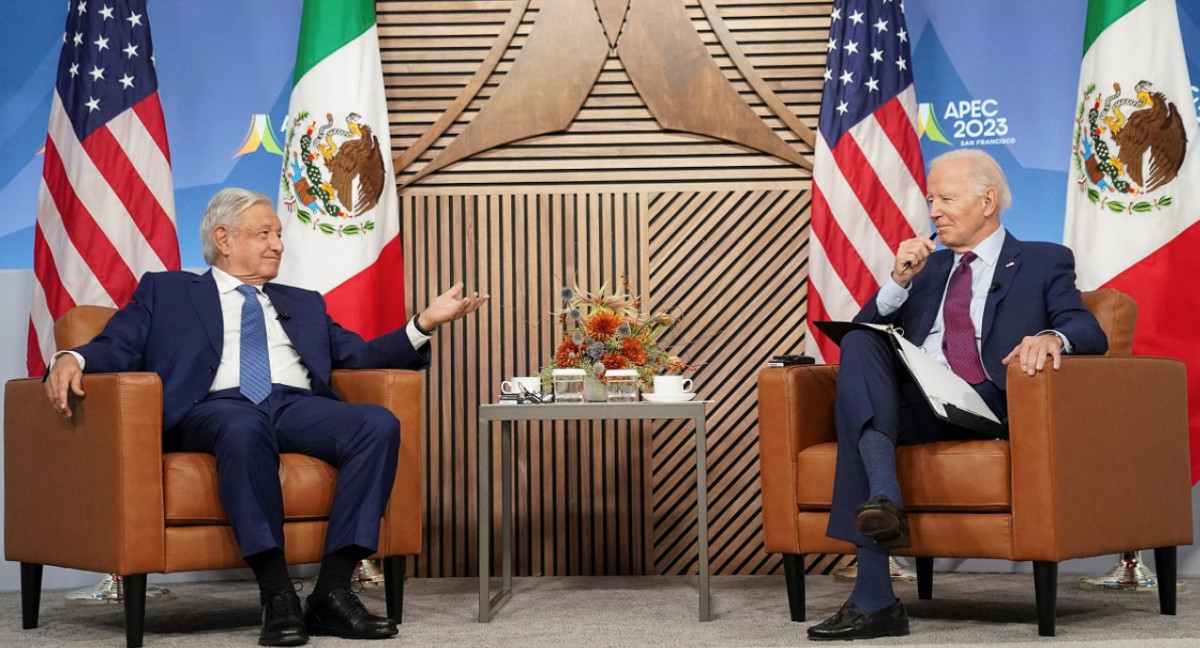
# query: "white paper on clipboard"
[951,398]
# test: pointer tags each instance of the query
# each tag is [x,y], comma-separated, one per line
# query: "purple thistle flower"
[575,314]
[567,294]
[577,339]
[595,350]
[623,331]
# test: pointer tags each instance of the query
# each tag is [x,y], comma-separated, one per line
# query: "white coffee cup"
[531,384]
[672,385]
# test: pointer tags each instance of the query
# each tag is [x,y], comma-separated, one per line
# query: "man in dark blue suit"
[983,303]
[245,368]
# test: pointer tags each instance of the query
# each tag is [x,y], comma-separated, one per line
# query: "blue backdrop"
[999,75]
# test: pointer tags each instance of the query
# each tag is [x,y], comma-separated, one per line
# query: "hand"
[1032,352]
[911,253]
[66,375]
[449,306]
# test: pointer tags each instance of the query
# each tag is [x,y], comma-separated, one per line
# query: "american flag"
[868,175]
[106,207]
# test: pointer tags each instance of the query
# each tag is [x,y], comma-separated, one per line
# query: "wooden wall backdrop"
[544,142]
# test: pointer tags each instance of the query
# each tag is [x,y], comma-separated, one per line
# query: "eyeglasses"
[526,396]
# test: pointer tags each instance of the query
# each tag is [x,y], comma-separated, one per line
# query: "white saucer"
[669,398]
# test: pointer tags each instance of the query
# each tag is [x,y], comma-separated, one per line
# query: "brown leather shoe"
[884,522]
[849,623]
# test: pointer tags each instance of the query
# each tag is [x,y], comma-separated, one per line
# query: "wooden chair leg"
[393,583]
[1045,586]
[793,575]
[924,578]
[133,588]
[31,594]
[1165,565]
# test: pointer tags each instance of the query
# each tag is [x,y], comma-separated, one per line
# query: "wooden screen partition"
[541,143]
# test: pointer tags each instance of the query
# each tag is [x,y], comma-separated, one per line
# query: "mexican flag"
[337,195]
[1133,202]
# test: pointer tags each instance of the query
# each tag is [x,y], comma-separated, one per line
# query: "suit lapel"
[939,273]
[1007,265]
[207,303]
[291,325]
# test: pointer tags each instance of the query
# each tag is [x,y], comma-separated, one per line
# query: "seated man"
[1005,301]
[245,367]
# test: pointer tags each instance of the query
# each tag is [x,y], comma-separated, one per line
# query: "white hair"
[224,210]
[984,172]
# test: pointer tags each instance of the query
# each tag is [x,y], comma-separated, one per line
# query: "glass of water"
[621,385]
[568,385]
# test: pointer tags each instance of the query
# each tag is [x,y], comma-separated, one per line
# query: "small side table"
[507,413]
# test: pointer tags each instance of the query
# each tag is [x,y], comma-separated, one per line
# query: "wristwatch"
[1062,340]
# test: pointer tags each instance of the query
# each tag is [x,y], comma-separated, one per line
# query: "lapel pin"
[1010,264]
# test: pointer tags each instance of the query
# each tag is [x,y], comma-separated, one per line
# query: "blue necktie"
[256,364]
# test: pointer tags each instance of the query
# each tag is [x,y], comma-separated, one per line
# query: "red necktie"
[958,342]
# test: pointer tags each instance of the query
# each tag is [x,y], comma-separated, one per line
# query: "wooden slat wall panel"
[712,229]
[581,490]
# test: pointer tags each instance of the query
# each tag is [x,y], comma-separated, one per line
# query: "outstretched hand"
[449,306]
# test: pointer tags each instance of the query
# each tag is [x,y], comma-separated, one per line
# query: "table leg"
[506,508]
[702,516]
[484,521]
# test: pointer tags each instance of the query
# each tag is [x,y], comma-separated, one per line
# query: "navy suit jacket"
[1033,290]
[173,327]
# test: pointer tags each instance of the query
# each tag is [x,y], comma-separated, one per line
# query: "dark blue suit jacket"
[1033,290]
[173,327]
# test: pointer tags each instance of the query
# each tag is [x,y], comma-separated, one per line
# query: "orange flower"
[615,361]
[567,354]
[602,324]
[631,348]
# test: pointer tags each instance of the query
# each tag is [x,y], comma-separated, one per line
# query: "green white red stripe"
[338,197]
[1133,203]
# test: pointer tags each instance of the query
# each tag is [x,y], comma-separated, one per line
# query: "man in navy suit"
[983,303]
[245,367]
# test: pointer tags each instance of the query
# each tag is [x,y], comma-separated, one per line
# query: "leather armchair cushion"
[961,476]
[191,498]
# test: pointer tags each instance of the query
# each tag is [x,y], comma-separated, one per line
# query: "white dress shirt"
[286,367]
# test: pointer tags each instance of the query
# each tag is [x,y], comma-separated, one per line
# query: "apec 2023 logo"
[968,122]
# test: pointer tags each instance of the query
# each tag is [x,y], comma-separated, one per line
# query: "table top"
[590,411]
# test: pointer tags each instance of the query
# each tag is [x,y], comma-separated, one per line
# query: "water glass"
[568,385]
[621,385]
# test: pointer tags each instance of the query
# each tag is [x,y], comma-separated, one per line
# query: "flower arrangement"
[609,331]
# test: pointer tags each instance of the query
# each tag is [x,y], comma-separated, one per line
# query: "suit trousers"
[875,391]
[361,441]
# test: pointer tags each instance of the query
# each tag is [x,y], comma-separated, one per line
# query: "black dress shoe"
[849,623]
[283,623]
[341,614]
[884,522]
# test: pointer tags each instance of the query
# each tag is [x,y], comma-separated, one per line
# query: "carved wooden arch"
[663,54]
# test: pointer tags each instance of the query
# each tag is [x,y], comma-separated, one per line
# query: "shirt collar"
[988,249]
[228,283]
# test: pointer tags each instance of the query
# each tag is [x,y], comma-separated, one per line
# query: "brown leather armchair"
[96,492]
[1097,463]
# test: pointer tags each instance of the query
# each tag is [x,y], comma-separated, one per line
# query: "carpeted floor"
[749,611]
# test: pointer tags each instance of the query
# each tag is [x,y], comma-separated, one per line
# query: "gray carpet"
[967,609]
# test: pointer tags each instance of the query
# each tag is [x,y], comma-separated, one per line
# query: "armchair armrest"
[85,492]
[795,410]
[400,391]
[1100,459]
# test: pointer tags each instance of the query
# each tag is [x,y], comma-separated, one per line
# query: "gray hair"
[224,210]
[984,171]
